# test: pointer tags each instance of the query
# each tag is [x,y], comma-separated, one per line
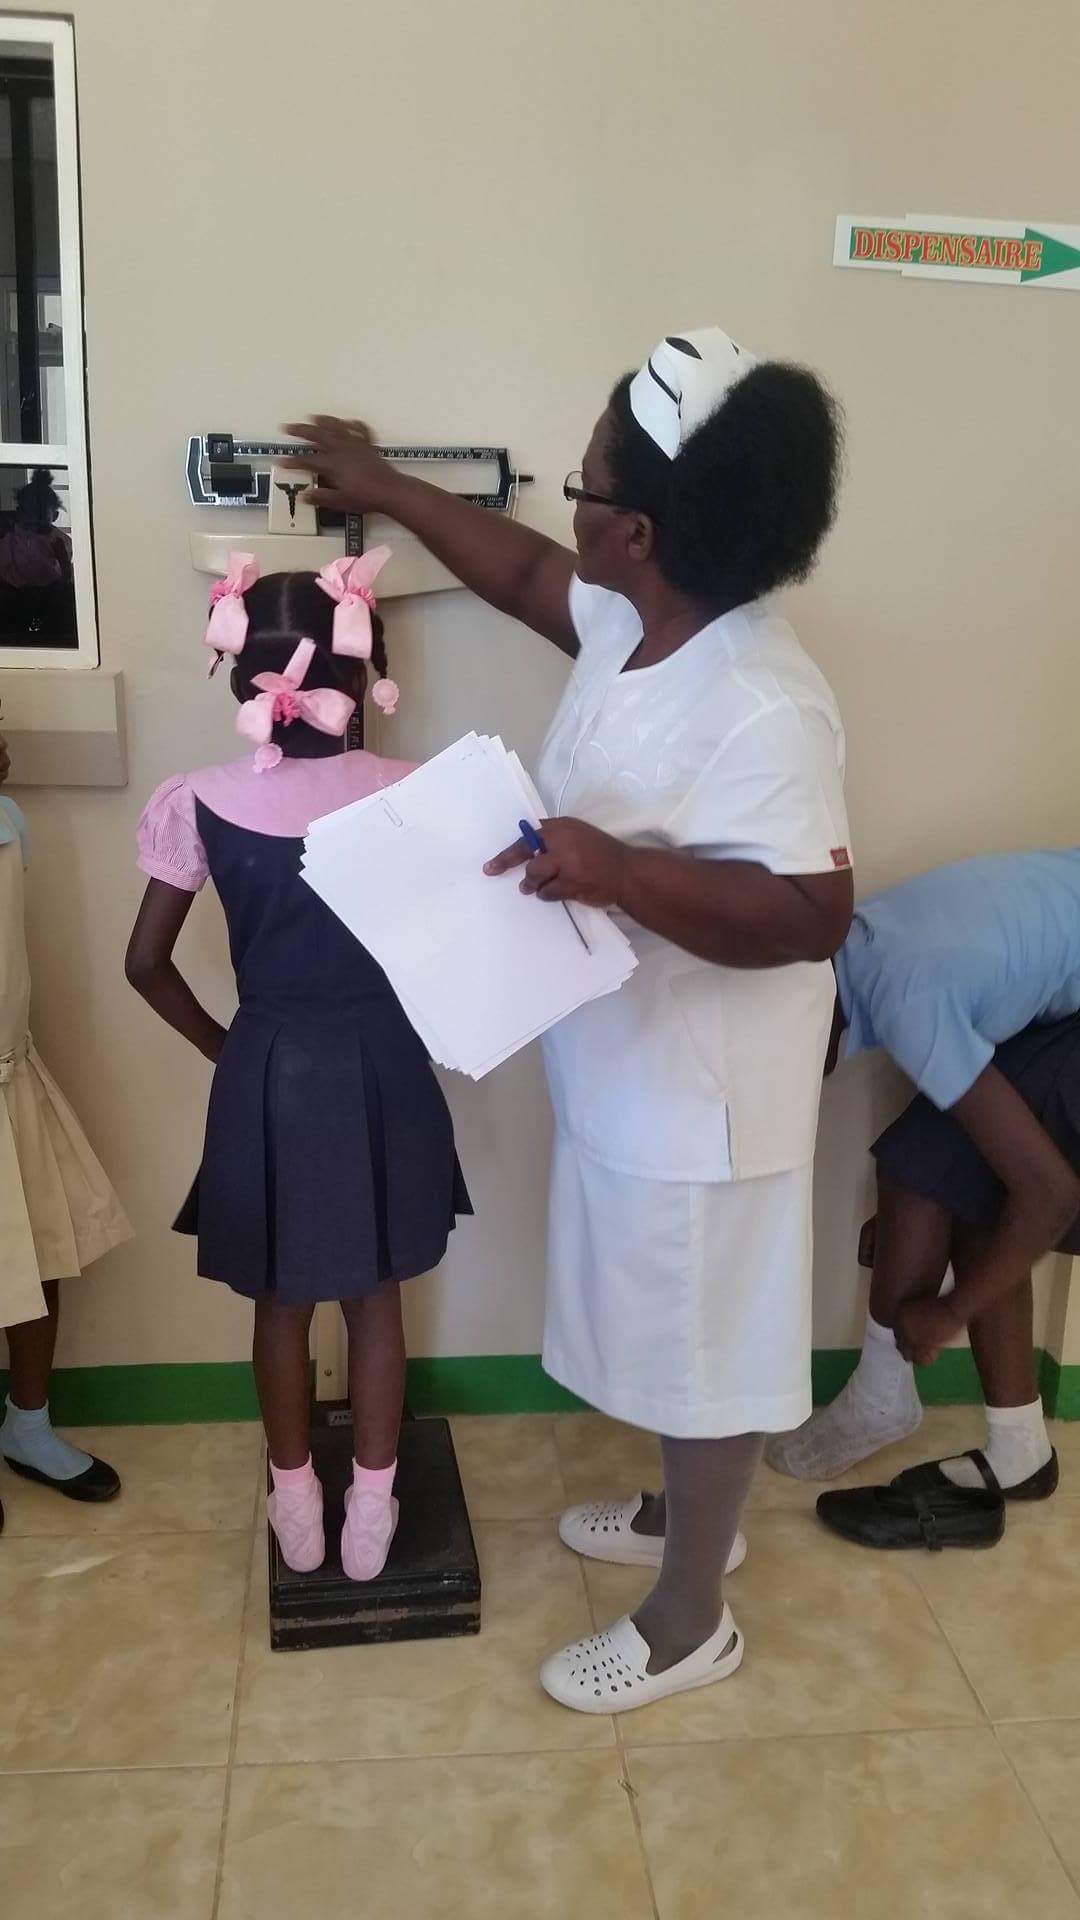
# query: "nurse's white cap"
[684,380]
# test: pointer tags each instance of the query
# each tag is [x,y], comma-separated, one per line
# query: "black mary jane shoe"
[920,1508]
[97,1482]
[929,1478]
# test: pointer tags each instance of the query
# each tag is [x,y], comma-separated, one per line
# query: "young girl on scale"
[329,1170]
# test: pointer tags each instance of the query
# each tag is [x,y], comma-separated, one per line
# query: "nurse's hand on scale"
[510,565]
[353,476]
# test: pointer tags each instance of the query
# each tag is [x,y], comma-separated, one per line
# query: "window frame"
[58,36]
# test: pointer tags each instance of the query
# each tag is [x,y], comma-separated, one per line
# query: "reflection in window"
[47,612]
[37,580]
[31,335]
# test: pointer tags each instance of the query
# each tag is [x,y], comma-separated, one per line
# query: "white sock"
[883,1380]
[878,1406]
[1017,1445]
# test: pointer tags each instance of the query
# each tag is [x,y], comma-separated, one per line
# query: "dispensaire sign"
[1010,253]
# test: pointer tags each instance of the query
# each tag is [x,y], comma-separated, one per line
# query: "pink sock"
[292,1479]
[295,1511]
[371,1517]
[374,1479]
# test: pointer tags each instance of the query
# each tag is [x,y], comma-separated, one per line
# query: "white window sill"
[64,728]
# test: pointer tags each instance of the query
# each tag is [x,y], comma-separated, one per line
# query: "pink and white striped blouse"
[282,803]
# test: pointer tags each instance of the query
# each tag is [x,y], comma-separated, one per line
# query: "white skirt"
[683,1308]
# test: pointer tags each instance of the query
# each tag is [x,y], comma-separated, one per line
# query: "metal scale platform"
[430,1588]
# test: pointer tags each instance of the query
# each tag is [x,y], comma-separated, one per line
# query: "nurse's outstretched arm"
[515,569]
[150,969]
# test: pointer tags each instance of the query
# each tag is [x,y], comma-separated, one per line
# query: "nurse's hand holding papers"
[480,967]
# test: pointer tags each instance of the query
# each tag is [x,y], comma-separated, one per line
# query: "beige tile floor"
[903,1740]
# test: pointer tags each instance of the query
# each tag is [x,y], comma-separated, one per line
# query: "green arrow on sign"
[1056,257]
[950,250]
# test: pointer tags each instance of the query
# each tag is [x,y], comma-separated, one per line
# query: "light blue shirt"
[13,826]
[939,971]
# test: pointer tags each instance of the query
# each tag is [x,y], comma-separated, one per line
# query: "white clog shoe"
[607,1672]
[603,1530]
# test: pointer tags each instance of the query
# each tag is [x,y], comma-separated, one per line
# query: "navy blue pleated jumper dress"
[329,1165]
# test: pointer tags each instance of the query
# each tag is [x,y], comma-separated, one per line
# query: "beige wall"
[464,221]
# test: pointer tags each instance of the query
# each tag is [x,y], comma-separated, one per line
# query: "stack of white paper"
[480,968]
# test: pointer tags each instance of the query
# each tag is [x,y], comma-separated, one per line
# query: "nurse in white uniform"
[694,778]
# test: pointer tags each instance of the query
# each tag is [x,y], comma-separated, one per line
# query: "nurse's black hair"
[747,501]
[282,610]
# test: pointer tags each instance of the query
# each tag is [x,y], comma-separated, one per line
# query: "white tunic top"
[732,748]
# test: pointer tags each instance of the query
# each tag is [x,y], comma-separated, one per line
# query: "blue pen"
[536,844]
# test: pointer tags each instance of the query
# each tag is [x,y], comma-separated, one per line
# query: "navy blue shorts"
[929,1153]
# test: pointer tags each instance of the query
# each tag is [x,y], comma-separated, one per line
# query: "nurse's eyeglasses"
[574,489]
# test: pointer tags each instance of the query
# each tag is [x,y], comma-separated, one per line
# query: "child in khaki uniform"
[58,1211]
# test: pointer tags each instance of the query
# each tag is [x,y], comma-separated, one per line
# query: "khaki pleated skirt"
[58,1210]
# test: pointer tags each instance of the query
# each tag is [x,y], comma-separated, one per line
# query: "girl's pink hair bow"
[227,628]
[281,699]
[349,583]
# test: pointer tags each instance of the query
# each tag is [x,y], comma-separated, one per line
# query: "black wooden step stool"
[430,1587]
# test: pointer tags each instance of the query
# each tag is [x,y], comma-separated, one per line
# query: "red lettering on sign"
[912,245]
[894,245]
[950,249]
[985,255]
[967,250]
[862,243]
[1013,250]
[931,252]
[1031,259]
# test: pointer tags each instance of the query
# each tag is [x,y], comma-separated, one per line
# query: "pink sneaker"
[371,1517]
[295,1511]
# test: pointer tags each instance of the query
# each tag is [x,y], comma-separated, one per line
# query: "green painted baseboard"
[952,1380]
[473,1383]
[152,1395]
[209,1390]
[1060,1388]
[486,1383]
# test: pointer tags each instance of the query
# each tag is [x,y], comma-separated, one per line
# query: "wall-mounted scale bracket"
[227,472]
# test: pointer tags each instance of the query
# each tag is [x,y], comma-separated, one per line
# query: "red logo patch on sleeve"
[841,857]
